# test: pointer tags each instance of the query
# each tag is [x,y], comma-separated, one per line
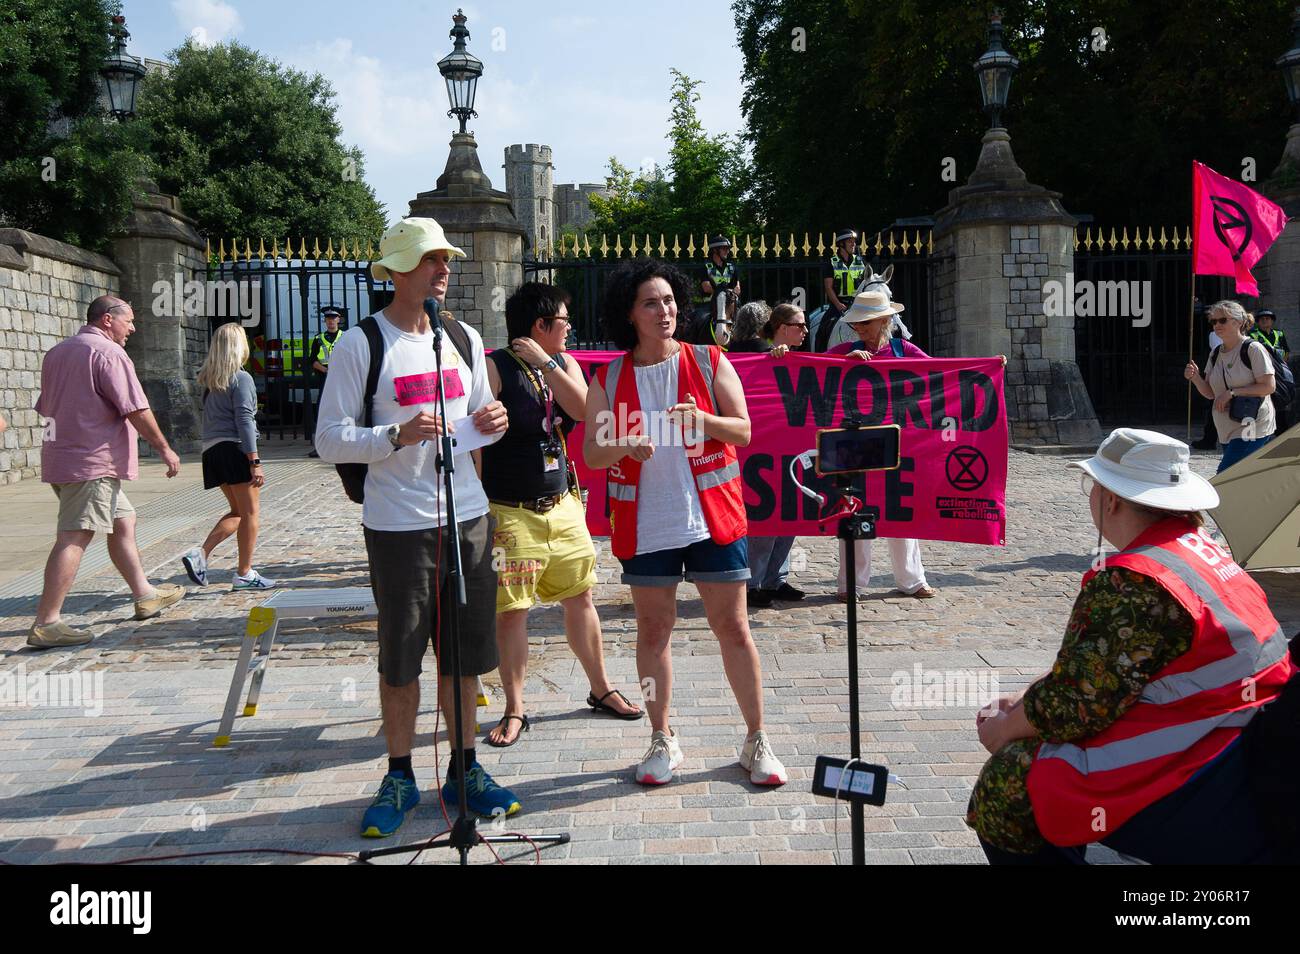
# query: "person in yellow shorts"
[541,547]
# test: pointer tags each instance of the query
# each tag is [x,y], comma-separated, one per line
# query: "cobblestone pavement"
[141,777]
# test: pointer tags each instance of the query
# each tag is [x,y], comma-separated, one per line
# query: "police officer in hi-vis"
[719,271]
[319,359]
[841,277]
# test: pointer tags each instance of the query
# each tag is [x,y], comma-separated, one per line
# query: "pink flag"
[1233,227]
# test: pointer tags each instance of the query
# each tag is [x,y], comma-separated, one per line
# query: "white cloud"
[207,22]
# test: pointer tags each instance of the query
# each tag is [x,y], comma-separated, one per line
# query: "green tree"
[704,188]
[852,106]
[253,149]
[67,170]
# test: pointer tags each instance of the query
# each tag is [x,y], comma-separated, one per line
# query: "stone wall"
[45,288]
[573,204]
[481,282]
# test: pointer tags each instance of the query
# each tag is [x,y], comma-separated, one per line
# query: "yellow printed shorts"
[542,557]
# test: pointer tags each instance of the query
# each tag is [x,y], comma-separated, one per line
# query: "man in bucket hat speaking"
[404,515]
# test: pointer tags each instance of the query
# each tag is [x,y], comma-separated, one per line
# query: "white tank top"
[668,512]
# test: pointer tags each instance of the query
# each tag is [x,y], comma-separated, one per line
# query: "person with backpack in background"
[404,513]
[1239,377]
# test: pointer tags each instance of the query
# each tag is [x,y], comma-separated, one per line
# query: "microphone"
[433,309]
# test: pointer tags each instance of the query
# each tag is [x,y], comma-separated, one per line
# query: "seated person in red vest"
[664,420]
[1134,739]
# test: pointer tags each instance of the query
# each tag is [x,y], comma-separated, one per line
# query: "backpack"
[1283,379]
[353,476]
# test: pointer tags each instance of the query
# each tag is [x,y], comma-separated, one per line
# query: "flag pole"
[1191,342]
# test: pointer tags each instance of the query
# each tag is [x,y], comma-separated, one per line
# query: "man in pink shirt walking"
[94,406]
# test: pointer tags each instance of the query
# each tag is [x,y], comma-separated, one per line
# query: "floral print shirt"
[1125,627]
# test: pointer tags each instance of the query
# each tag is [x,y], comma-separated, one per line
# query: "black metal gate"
[1133,366]
[290,293]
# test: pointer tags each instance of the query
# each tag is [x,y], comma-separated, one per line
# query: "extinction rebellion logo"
[1228,216]
[967,468]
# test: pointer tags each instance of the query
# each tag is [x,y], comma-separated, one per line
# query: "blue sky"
[589,79]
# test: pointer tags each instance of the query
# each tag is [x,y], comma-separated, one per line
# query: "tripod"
[464,834]
[858,525]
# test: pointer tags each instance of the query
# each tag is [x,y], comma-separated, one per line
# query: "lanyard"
[543,392]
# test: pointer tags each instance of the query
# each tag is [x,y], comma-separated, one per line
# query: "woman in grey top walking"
[230,458]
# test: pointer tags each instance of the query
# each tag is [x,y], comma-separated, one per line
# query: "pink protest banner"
[953,443]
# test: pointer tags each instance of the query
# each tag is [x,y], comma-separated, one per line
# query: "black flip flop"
[523,727]
[598,705]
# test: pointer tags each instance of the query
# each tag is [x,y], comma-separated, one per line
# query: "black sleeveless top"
[514,467]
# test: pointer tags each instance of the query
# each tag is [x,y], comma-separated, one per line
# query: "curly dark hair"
[621,292]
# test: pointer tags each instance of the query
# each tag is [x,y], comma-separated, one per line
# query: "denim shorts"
[703,562]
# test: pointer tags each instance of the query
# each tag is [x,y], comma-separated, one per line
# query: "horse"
[825,330]
[711,323]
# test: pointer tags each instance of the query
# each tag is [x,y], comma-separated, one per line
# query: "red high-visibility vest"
[715,469]
[1189,712]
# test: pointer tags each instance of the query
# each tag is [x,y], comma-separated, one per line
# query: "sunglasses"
[796,324]
[1214,322]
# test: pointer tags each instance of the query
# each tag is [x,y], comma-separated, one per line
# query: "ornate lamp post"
[1289,64]
[121,73]
[994,70]
[461,70]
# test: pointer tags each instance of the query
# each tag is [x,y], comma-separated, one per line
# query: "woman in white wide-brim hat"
[1135,736]
[871,318]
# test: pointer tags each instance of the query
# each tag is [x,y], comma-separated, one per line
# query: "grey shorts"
[91,504]
[406,585]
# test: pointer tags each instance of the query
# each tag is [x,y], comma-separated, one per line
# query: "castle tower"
[573,204]
[529,180]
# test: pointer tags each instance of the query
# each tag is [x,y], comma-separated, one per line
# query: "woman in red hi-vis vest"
[1135,738]
[664,420]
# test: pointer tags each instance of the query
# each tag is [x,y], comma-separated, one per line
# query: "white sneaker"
[663,756]
[761,762]
[254,581]
[196,565]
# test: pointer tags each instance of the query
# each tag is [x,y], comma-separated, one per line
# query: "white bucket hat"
[408,241]
[868,305]
[1150,470]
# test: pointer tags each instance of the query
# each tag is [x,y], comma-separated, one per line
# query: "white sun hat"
[408,241]
[1149,469]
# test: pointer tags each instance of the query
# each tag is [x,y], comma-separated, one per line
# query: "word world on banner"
[951,484]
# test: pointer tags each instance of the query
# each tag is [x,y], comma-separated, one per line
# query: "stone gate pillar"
[997,242]
[158,245]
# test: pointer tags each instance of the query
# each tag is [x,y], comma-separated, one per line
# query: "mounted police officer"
[318,359]
[719,271]
[841,277]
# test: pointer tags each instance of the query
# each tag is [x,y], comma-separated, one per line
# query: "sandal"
[598,705]
[505,720]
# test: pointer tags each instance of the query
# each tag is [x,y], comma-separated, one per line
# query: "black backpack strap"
[460,338]
[375,340]
[1214,356]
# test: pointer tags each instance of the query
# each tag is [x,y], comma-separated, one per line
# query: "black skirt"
[225,463]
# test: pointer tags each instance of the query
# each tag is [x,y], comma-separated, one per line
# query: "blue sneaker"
[485,797]
[397,796]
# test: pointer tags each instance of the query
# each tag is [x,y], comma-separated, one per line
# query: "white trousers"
[905,555]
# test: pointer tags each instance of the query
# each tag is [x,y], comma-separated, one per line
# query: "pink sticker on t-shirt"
[423,388]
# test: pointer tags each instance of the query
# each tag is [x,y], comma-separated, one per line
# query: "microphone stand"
[464,834]
[860,525]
